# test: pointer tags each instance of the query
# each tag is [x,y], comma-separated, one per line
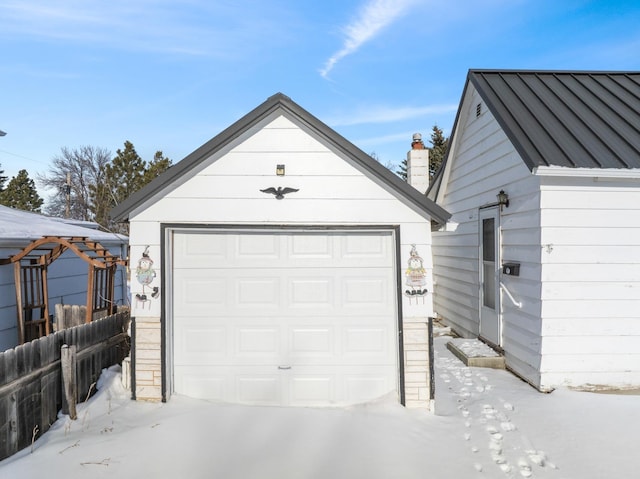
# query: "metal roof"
[575,119]
[276,104]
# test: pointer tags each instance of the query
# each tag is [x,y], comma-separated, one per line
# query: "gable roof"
[274,104]
[566,118]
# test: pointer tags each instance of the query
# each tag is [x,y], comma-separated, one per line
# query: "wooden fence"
[31,389]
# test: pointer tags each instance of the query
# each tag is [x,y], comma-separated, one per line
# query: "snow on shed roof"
[576,119]
[21,227]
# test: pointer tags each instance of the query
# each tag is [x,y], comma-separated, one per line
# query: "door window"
[488,263]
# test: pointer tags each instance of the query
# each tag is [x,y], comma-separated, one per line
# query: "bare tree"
[85,165]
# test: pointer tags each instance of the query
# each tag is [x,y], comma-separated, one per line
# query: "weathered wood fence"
[31,389]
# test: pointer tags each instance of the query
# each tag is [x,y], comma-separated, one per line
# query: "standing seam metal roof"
[566,118]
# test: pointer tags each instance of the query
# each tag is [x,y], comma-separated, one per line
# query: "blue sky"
[170,75]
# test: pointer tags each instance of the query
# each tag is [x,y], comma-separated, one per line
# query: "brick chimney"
[418,164]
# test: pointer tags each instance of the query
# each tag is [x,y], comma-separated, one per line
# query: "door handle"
[284,367]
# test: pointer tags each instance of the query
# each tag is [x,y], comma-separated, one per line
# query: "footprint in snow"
[525,468]
[508,426]
[488,411]
[537,457]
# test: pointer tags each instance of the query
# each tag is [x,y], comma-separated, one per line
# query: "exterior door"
[490,314]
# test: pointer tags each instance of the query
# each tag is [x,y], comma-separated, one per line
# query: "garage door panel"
[310,247]
[311,293]
[312,390]
[370,292]
[195,288]
[366,247]
[255,247]
[202,386]
[196,344]
[369,341]
[195,249]
[312,341]
[258,342]
[258,389]
[257,292]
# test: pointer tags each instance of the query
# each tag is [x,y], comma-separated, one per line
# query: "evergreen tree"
[21,193]
[402,169]
[158,165]
[437,151]
[3,180]
[123,176]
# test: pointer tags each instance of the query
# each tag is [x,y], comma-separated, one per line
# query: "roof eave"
[122,211]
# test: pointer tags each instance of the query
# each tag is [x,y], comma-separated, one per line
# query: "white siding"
[333,191]
[590,282]
[576,239]
[483,162]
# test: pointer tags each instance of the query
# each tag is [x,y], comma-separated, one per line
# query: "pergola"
[30,273]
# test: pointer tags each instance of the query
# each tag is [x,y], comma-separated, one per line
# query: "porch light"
[503,199]
[280,170]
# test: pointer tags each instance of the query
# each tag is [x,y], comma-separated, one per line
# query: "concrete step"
[475,353]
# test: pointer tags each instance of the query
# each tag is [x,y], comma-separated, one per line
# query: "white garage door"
[284,318]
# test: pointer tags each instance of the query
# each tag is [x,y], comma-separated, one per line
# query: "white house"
[551,277]
[280,264]
[66,276]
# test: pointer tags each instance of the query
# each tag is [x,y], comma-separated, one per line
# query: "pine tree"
[21,193]
[402,169]
[3,180]
[437,151]
[125,174]
[157,166]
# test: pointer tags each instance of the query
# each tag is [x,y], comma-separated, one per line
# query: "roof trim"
[610,173]
[274,103]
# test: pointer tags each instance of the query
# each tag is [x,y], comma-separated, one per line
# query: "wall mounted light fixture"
[280,170]
[503,199]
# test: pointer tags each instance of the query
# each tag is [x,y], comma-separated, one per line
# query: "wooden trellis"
[30,273]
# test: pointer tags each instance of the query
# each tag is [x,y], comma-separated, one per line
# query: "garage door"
[284,318]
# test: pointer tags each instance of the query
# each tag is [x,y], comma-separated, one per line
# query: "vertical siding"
[483,162]
[590,282]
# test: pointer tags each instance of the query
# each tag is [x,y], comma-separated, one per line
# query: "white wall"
[483,162]
[590,281]
[577,240]
[333,191]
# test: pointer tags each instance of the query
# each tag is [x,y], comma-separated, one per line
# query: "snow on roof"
[20,227]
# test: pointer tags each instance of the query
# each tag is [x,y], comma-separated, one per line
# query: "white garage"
[286,318]
[279,264]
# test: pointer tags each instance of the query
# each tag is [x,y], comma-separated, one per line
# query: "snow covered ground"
[488,424]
